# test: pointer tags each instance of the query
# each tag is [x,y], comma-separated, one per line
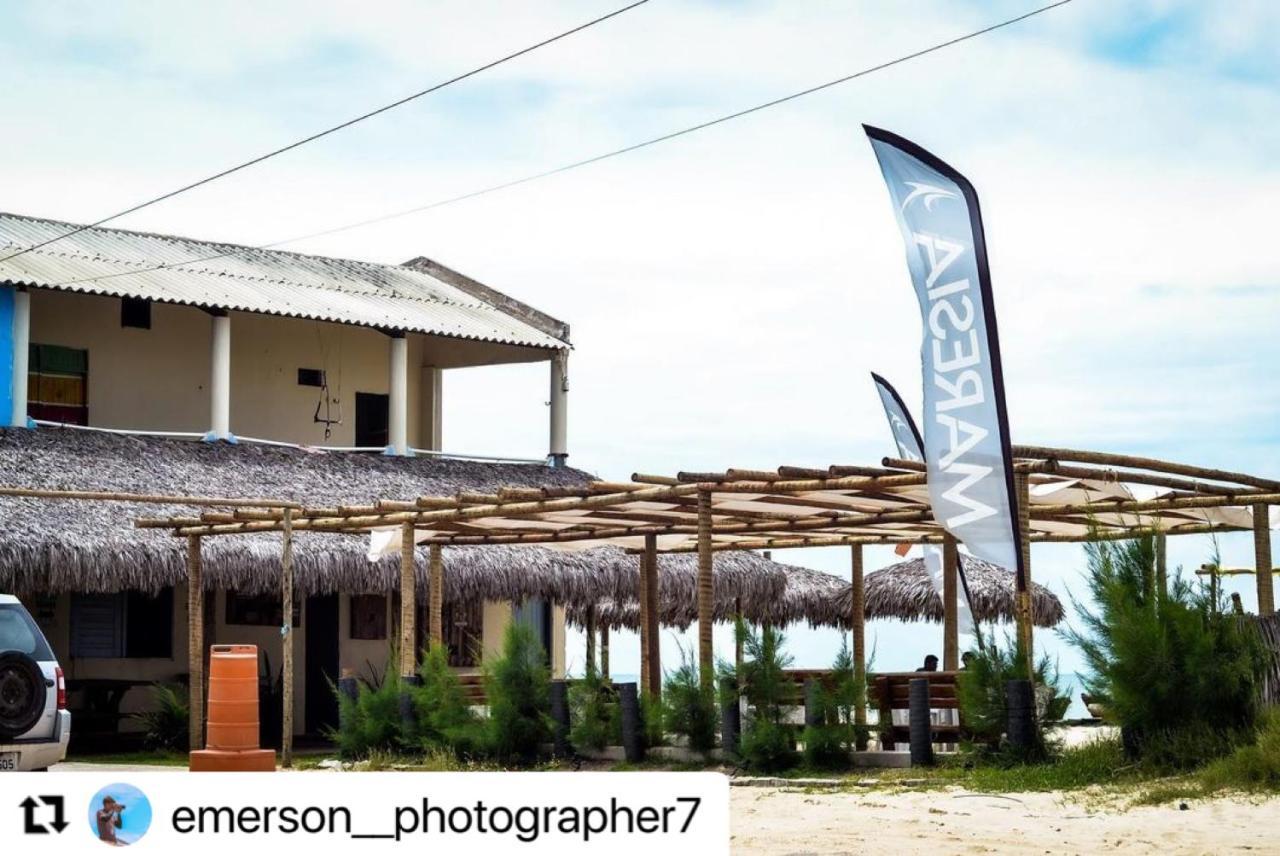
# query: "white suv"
[35,724]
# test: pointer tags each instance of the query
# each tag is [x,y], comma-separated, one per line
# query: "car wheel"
[22,693]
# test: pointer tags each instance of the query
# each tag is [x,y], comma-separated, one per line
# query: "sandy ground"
[767,820]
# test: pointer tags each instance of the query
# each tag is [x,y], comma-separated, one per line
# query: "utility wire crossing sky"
[529,178]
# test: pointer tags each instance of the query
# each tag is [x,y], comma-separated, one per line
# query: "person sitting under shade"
[930,664]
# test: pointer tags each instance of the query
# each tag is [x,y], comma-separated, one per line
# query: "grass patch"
[158,758]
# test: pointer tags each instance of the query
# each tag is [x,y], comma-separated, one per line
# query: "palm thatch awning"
[747,584]
[904,591]
[53,545]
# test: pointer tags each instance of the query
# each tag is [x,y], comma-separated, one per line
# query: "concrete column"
[220,380]
[21,357]
[559,447]
[398,405]
[431,420]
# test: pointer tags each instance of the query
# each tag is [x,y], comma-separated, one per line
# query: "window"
[19,633]
[311,377]
[464,632]
[57,384]
[368,616]
[261,610]
[129,624]
[135,312]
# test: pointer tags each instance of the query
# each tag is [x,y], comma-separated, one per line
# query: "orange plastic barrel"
[233,697]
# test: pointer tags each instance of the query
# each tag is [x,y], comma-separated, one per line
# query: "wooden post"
[286,640]
[950,592]
[1262,554]
[645,689]
[604,651]
[655,655]
[195,643]
[408,604]
[706,593]
[591,639]
[1162,567]
[858,621]
[435,596]
[1022,605]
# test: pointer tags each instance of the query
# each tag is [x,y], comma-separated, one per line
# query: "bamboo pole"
[604,651]
[435,596]
[1022,605]
[706,593]
[1262,557]
[655,653]
[858,621]
[195,645]
[286,642]
[591,639]
[408,604]
[950,593]
[644,619]
[1162,566]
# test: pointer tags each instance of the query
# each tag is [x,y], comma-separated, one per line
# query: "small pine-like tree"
[444,720]
[767,743]
[518,685]
[689,709]
[983,698]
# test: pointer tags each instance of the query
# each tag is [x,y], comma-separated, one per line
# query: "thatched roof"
[905,591]
[61,545]
[765,591]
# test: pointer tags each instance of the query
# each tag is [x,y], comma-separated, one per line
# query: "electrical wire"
[595,159]
[327,131]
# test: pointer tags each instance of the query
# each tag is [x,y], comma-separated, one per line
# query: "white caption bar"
[366,813]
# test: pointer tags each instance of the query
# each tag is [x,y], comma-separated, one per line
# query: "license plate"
[8,762]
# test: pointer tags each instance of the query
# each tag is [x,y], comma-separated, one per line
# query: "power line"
[326,132]
[597,158]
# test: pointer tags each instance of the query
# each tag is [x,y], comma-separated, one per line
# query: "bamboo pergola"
[1065,496]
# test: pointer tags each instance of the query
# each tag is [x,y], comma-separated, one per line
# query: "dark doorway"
[322,662]
[372,419]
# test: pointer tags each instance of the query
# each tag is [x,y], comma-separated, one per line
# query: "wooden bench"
[892,691]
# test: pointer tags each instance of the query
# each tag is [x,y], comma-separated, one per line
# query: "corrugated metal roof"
[123,264]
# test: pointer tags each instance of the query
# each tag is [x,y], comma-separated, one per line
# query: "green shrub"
[829,744]
[595,715]
[1177,673]
[371,721]
[167,725]
[688,708]
[651,711]
[981,693]
[518,685]
[767,743]
[1254,767]
[444,721]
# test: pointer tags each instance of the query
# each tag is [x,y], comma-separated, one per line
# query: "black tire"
[22,693]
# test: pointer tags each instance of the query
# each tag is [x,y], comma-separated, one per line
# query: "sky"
[729,291]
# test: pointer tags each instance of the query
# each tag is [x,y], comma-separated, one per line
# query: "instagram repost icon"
[119,815]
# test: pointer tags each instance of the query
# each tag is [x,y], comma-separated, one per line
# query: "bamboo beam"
[1207,569]
[1262,559]
[435,596]
[655,650]
[950,594]
[1022,604]
[145,498]
[859,621]
[1137,462]
[706,594]
[408,604]
[286,642]
[195,645]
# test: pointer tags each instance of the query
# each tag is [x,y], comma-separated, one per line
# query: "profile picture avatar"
[119,815]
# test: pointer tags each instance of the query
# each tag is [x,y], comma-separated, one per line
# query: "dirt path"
[945,822]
